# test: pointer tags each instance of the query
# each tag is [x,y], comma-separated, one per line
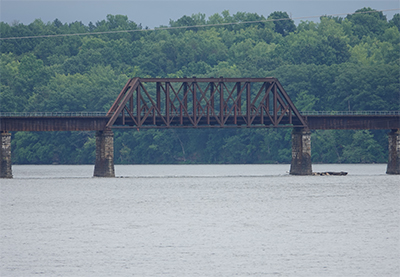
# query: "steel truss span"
[203,103]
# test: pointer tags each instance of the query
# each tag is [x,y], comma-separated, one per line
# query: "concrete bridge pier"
[393,166]
[5,156]
[104,166]
[301,152]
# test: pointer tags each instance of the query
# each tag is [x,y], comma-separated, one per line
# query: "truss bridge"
[203,103]
[145,103]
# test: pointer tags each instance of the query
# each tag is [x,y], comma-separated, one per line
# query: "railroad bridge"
[221,102]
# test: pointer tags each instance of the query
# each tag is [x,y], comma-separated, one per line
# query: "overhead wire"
[191,27]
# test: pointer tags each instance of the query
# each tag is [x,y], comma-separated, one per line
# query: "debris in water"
[328,173]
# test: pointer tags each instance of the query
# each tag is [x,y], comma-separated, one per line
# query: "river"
[200,220]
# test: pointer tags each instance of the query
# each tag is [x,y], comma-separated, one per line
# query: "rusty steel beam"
[72,123]
[124,96]
[353,122]
[207,80]
[121,95]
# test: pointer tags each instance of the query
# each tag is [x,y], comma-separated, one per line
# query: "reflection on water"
[204,220]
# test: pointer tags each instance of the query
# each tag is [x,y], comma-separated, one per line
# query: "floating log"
[329,173]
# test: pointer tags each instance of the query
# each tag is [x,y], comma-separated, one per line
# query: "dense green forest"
[338,64]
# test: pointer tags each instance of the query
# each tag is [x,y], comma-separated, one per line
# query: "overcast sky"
[154,13]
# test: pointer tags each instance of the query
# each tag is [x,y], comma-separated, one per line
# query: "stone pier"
[393,166]
[104,166]
[5,156]
[301,152]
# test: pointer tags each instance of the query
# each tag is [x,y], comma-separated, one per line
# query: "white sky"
[153,13]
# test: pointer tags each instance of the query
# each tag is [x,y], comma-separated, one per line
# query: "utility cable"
[191,27]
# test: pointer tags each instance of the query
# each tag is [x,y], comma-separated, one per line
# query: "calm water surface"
[200,220]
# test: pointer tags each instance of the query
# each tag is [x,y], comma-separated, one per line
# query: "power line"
[190,27]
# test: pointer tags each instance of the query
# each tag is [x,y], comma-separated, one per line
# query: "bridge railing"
[350,112]
[102,114]
[53,114]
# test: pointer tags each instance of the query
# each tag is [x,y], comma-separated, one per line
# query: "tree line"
[338,64]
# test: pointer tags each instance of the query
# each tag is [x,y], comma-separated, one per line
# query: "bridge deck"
[353,122]
[52,123]
[97,123]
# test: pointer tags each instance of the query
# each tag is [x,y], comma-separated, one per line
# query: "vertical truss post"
[238,108]
[221,103]
[194,103]
[262,108]
[211,95]
[167,102]
[210,106]
[158,102]
[248,103]
[185,100]
[267,102]
[138,107]
[275,105]
[158,96]
[185,94]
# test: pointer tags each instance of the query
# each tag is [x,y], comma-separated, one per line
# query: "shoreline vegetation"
[347,63]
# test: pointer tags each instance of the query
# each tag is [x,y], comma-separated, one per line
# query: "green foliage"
[326,146]
[367,22]
[395,21]
[283,25]
[363,149]
[350,63]
[53,148]
[321,44]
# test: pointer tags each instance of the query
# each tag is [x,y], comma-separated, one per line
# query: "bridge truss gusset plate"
[203,103]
